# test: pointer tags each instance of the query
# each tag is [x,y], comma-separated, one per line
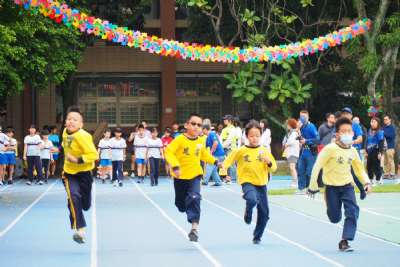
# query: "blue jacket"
[390,135]
[357,132]
[375,140]
[310,134]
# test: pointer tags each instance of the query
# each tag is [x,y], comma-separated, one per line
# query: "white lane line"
[203,251]
[325,221]
[294,243]
[22,214]
[93,253]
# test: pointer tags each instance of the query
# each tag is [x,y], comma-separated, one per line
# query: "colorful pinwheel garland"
[62,13]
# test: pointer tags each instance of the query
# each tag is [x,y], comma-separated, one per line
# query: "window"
[119,101]
[200,95]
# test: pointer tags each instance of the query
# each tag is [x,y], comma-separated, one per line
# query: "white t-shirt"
[33,145]
[11,142]
[293,144]
[105,149]
[140,145]
[45,151]
[265,139]
[154,146]
[238,134]
[118,147]
[4,141]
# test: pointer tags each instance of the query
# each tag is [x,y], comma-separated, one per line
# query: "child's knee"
[334,218]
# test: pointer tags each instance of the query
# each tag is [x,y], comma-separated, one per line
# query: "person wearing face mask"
[80,155]
[337,160]
[375,144]
[309,140]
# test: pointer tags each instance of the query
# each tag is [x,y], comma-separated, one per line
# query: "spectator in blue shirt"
[358,133]
[216,149]
[309,141]
[375,144]
[390,136]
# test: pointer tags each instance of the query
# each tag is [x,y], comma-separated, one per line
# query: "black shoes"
[256,241]
[193,235]
[344,246]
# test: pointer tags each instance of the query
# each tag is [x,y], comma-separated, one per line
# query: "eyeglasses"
[196,124]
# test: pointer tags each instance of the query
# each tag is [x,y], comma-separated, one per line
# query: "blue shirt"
[375,140]
[55,139]
[357,130]
[211,138]
[310,134]
[175,134]
[390,135]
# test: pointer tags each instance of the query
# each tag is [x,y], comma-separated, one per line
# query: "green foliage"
[306,3]
[288,87]
[369,63]
[34,50]
[245,83]
[249,17]
[392,36]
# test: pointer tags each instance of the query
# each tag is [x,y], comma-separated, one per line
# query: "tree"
[266,23]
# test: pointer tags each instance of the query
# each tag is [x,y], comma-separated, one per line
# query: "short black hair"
[387,115]
[108,130]
[10,130]
[45,132]
[194,115]
[342,121]
[154,130]
[74,109]
[252,124]
[140,126]
[327,115]
[338,114]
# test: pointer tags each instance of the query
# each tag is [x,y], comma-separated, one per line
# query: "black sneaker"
[193,235]
[256,241]
[120,184]
[45,181]
[103,181]
[204,183]
[344,246]
[10,182]
[247,216]
[78,238]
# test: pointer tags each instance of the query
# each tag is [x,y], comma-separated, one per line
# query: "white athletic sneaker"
[300,192]
[115,184]
[40,182]
[1,183]
[293,185]
[28,182]
[132,175]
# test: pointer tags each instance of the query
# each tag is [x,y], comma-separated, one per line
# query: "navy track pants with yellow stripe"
[79,193]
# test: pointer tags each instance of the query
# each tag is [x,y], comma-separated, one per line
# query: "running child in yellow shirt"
[337,160]
[183,155]
[254,164]
[80,155]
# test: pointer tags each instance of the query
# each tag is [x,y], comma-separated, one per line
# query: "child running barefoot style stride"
[254,164]
[184,155]
[80,155]
[336,160]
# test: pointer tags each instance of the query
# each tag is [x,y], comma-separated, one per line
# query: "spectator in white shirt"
[105,152]
[154,154]
[140,146]
[32,145]
[118,150]
[46,153]
[265,139]
[291,148]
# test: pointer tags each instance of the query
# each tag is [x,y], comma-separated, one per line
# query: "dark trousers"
[79,192]
[374,165]
[187,198]
[34,162]
[117,173]
[46,166]
[154,170]
[335,196]
[257,196]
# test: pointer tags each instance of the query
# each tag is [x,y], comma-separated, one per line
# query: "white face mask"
[346,139]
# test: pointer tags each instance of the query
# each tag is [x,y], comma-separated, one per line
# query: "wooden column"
[168,66]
